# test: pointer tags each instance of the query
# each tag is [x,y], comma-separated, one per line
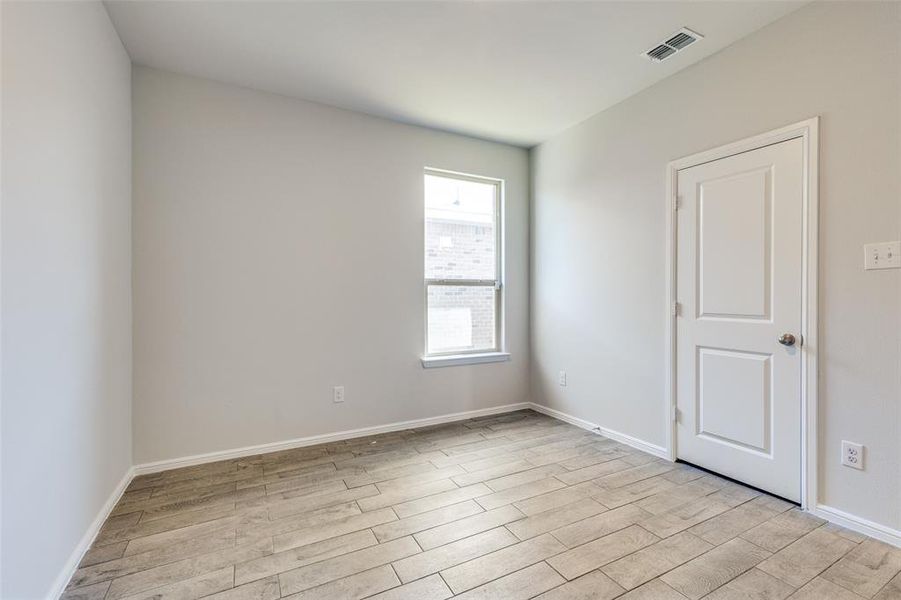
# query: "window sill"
[453,360]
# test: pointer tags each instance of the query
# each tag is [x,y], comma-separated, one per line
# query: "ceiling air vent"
[679,40]
[661,52]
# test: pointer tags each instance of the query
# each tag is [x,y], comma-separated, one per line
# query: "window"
[462,264]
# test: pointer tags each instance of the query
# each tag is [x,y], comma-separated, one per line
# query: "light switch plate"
[883,255]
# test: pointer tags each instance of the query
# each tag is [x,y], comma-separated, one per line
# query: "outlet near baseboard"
[852,455]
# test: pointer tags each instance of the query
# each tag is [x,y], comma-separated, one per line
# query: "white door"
[739,277]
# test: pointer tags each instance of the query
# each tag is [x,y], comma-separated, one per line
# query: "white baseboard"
[84,545]
[859,524]
[653,449]
[562,416]
[833,515]
[62,580]
[198,459]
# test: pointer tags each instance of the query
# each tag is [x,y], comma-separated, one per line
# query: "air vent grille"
[660,52]
[680,40]
[676,42]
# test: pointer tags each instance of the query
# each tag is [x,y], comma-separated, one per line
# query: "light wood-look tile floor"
[507,507]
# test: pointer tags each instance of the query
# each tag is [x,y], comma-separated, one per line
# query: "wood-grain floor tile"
[304,504]
[516,479]
[352,587]
[186,589]
[653,590]
[640,567]
[455,553]
[685,516]
[891,590]
[556,518]
[317,533]
[520,585]
[599,525]
[457,530]
[323,572]
[492,472]
[294,558]
[96,591]
[426,520]
[188,568]
[427,588]
[487,568]
[594,471]
[734,522]
[782,530]
[866,569]
[126,565]
[556,499]
[102,554]
[421,505]
[594,586]
[674,498]
[590,556]
[261,589]
[614,498]
[709,571]
[752,585]
[502,507]
[821,589]
[801,561]
[391,495]
[520,492]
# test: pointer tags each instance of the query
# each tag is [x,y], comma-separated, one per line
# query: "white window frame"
[481,355]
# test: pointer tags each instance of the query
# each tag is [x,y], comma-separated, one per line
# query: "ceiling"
[517,72]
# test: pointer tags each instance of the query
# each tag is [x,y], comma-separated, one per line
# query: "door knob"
[786,339]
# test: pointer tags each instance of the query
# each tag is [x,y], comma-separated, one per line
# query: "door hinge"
[677,201]
[677,309]
[675,414]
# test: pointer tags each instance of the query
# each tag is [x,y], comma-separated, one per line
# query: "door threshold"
[741,483]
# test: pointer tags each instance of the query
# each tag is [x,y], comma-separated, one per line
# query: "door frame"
[808,132]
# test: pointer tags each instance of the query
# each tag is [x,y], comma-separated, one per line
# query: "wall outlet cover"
[561,378]
[338,393]
[852,455]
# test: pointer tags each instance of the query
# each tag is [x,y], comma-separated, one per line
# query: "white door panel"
[733,235]
[744,378]
[739,261]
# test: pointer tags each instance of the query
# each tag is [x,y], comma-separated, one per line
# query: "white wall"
[278,251]
[66,272]
[599,226]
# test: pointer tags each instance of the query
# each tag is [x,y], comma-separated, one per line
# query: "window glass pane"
[461,318]
[460,230]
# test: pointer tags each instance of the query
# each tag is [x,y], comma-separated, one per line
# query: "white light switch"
[884,255]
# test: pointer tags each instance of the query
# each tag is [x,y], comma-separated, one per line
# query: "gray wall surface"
[598,231]
[66,273]
[278,251]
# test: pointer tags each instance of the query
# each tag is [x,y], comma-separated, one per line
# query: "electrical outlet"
[338,393]
[884,255]
[852,455]
[561,378]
